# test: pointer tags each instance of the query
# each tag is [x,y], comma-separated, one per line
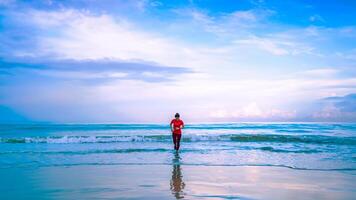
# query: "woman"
[176,127]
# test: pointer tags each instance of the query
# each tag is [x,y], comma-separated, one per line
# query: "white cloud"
[201,19]
[264,44]
[226,24]
[81,35]
[67,74]
[86,36]
[248,18]
[349,55]
[320,73]
[276,46]
[152,74]
[316,18]
[253,111]
[194,97]
[244,15]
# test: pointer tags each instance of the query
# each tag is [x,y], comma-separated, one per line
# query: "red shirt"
[177,123]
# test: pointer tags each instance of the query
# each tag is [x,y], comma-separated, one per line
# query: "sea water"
[304,146]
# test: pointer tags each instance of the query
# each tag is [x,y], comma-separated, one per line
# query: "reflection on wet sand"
[177,184]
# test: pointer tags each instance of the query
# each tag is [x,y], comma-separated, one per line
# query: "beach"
[216,161]
[174,182]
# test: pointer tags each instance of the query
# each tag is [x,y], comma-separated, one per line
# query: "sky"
[117,61]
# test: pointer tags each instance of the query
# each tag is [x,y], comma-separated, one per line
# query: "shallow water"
[307,146]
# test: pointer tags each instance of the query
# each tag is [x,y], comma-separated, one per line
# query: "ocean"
[300,146]
[327,147]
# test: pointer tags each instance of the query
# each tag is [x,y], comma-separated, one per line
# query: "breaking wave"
[272,138]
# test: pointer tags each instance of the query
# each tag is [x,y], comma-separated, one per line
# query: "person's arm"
[182,126]
[172,126]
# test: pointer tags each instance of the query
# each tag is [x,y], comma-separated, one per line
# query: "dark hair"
[177,115]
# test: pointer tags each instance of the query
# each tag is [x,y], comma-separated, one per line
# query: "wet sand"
[174,182]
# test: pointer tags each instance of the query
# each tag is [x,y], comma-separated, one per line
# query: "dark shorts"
[176,140]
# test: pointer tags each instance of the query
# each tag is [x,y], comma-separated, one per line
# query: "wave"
[312,139]
[134,150]
[259,138]
[161,150]
[306,151]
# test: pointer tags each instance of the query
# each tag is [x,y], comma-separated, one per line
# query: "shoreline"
[342,170]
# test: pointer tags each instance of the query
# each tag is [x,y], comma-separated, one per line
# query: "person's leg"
[178,140]
[174,140]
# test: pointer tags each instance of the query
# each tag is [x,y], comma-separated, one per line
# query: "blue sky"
[212,61]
